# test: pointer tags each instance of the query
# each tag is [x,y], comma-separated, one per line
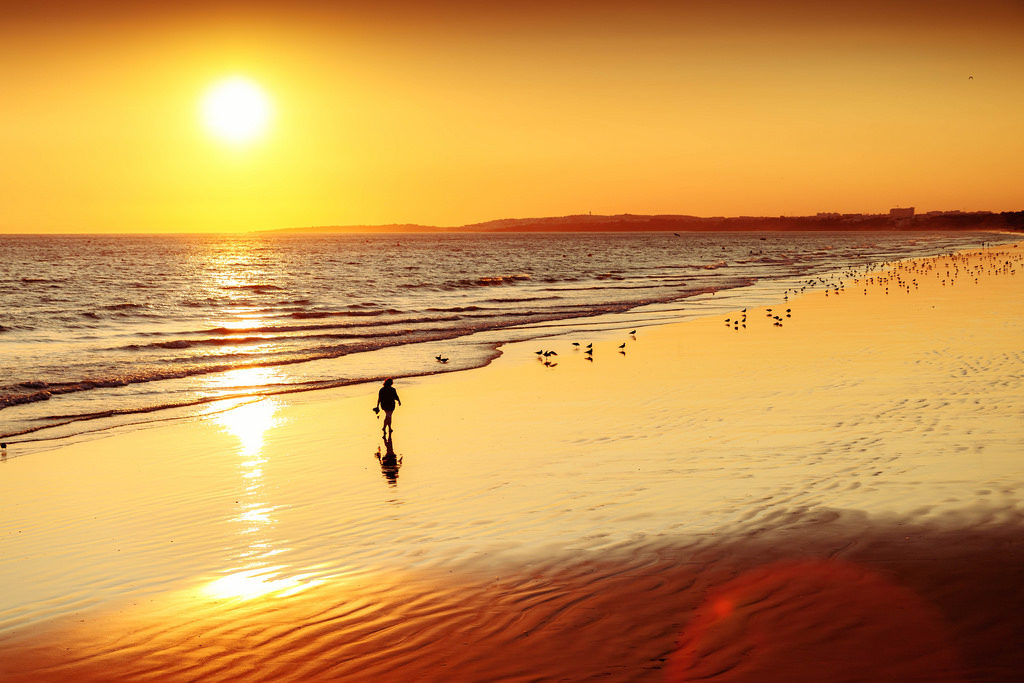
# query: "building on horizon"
[901,213]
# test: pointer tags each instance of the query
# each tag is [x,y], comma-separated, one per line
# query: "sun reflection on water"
[244,378]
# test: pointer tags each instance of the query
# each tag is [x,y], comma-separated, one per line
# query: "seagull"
[632,331]
[622,345]
[575,343]
[539,353]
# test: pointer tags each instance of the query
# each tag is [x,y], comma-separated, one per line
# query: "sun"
[235,110]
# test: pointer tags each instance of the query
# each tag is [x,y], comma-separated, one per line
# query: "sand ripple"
[821,596]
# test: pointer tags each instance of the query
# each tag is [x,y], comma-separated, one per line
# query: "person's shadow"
[390,462]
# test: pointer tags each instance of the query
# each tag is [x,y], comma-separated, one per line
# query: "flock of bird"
[741,322]
[947,269]
[898,275]
[545,355]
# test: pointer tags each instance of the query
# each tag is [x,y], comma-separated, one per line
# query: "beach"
[826,490]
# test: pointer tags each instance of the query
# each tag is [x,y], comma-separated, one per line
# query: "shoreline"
[871,440]
[486,349]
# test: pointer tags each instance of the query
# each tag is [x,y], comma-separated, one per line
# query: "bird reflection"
[390,462]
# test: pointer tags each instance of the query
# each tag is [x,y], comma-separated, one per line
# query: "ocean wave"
[258,288]
[370,329]
[231,335]
[468,283]
[772,260]
[200,303]
[214,341]
[549,313]
[228,362]
[455,309]
[122,307]
[502,279]
[262,329]
[610,288]
[519,300]
[341,314]
[7,400]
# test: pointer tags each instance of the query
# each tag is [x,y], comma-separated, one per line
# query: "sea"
[99,331]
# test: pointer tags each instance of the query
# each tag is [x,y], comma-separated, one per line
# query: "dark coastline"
[946,220]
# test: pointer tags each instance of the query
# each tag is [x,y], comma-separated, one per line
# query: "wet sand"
[838,498]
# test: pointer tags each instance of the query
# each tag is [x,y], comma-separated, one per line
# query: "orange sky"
[455,113]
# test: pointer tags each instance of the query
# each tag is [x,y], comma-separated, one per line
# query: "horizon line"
[467,227]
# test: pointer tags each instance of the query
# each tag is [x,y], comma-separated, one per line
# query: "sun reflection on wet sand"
[249,584]
[249,422]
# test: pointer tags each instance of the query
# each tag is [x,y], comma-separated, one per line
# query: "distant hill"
[898,219]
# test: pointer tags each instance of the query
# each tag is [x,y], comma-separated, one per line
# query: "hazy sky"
[457,112]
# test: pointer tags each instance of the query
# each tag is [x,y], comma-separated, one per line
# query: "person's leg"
[387,420]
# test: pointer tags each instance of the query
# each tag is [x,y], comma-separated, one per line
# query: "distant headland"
[895,219]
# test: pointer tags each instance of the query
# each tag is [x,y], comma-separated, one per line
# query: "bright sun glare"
[235,110]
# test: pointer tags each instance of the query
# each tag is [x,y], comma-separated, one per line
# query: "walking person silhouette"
[387,397]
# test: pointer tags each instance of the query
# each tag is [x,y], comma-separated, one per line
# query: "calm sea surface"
[99,330]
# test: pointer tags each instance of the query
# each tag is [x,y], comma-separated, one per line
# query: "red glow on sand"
[722,607]
[809,620]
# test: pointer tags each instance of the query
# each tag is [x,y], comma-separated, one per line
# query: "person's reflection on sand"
[389,461]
